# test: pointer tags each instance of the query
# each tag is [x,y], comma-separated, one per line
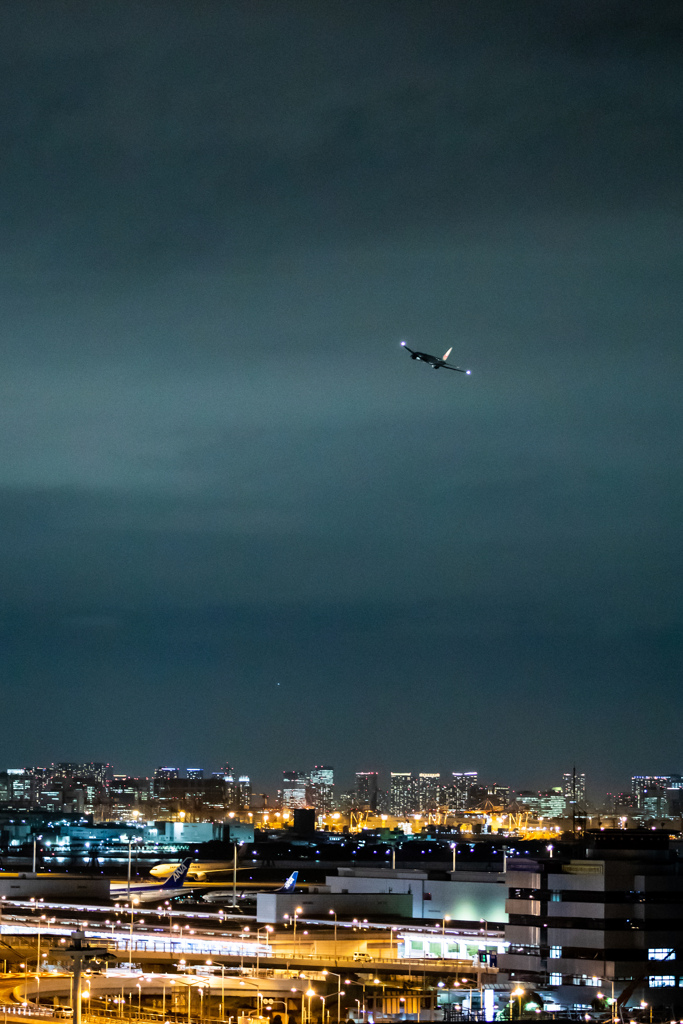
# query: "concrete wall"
[70,888]
[272,906]
[472,896]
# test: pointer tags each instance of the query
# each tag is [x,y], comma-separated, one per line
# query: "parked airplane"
[434,361]
[197,869]
[225,895]
[172,887]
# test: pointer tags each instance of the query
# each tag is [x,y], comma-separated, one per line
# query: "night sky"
[238,522]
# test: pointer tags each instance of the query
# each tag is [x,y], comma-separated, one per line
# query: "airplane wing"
[447,366]
[403,345]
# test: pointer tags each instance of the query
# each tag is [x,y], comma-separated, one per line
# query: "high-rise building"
[574,787]
[19,786]
[167,773]
[243,792]
[402,794]
[195,773]
[428,791]
[649,786]
[322,788]
[549,803]
[498,795]
[366,789]
[97,771]
[460,789]
[294,791]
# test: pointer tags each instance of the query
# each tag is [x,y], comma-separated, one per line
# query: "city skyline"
[395,792]
[235,514]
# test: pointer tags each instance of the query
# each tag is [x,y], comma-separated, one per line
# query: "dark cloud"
[220,473]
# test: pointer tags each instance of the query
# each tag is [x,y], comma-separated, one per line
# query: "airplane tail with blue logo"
[290,884]
[177,879]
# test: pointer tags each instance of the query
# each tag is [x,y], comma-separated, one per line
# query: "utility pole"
[80,953]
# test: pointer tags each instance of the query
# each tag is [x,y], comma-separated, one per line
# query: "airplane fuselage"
[434,361]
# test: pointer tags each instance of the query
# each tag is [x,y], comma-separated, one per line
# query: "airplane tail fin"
[447,354]
[176,880]
[290,884]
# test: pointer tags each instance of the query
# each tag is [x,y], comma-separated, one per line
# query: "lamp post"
[267,928]
[518,992]
[258,996]
[40,919]
[130,937]
[245,931]
[335,930]
[443,935]
[130,847]
[392,930]
[338,977]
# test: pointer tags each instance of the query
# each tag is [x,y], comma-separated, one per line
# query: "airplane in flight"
[171,888]
[434,361]
[223,895]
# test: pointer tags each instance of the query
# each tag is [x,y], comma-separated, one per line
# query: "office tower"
[574,787]
[460,789]
[195,773]
[322,788]
[294,789]
[243,792]
[19,786]
[499,795]
[402,794]
[428,791]
[366,790]
[167,773]
[652,786]
[97,771]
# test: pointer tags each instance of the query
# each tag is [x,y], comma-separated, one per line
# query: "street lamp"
[130,938]
[222,967]
[519,992]
[443,934]
[245,931]
[338,977]
[130,847]
[267,928]
[392,936]
[310,993]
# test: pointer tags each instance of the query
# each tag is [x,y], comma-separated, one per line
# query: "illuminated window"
[662,981]
[555,952]
[660,954]
[555,979]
